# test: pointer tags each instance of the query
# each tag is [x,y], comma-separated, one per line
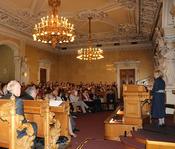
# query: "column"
[167,50]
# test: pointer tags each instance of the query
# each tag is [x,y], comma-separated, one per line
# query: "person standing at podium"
[158,100]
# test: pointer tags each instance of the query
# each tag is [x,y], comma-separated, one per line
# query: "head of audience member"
[93,90]
[55,93]
[32,91]
[75,92]
[86,91]
[14,88]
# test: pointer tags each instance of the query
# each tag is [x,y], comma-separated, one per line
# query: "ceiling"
[115,22]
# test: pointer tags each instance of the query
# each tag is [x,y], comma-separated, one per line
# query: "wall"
[74,70]
[66,67]
[34,56]
[6,64]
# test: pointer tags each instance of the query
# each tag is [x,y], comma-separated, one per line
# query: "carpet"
[91,135]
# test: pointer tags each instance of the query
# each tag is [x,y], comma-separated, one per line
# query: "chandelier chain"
[90,53]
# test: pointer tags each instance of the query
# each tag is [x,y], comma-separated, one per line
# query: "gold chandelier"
[52,28]
[90,53]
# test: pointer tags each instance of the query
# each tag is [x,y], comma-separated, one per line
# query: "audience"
[87,96]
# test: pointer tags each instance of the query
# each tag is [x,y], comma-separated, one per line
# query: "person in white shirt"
[76,101]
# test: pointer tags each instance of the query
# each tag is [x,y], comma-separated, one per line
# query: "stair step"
[130,142]
[142,136]
[168,130]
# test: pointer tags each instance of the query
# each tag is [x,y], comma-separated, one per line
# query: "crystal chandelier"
[52,28]
[90,53]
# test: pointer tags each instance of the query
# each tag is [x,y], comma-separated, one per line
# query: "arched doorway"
[14,57]
[7,65]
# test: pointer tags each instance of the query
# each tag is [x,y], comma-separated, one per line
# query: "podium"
[132,115]
[134,96]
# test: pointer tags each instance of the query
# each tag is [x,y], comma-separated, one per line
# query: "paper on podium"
[55,103]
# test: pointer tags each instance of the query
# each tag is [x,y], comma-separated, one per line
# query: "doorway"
[127,76]
[43,75]
[126,65]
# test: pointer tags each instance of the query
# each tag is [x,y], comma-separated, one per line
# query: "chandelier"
[52,28]
[90,53]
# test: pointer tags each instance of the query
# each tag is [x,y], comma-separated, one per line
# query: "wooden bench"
[48,127]
[10,123]
[61,114]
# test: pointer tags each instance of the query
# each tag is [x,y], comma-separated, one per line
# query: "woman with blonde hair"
[158,100]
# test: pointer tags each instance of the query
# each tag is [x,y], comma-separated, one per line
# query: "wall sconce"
[25,74]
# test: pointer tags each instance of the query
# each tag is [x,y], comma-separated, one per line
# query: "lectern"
[134,97]
[120,123]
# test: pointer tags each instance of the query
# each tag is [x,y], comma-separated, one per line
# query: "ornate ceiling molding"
[14,22]
[95,14]
[150,9]
[22,20]
[130,4]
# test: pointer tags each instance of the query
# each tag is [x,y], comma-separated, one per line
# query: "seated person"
[30,93]
[76,101]
[86,98]
[110,96]
[96,100]
[53,95]
[14,89]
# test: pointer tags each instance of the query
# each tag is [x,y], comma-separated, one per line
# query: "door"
[127,76]
[43,75]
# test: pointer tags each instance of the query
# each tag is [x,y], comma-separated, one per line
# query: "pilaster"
[166,50]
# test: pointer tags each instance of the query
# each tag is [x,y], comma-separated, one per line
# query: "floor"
[91,135]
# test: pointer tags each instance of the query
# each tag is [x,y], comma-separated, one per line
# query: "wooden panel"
[4,134]
[159,145]
[62,114]
[132,106]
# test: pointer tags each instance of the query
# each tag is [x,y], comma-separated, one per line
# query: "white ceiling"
[114,21]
